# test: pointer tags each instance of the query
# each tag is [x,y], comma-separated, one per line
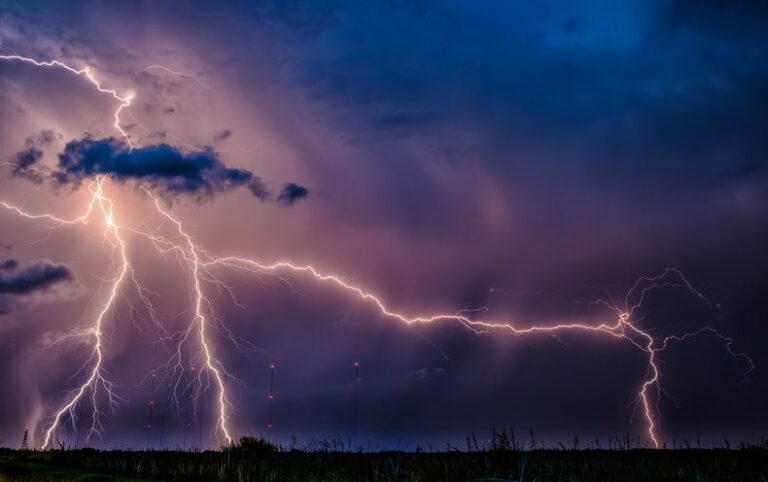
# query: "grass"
[253,460]
[20,471]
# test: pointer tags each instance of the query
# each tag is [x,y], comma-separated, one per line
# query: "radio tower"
[77,432]
[188,411]
[187,423]
[270,399]
[151,407]
[162,428]
[25,440]
[200,431]
[355,367]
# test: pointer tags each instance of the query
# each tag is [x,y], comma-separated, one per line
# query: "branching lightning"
[124,101]
[199,262]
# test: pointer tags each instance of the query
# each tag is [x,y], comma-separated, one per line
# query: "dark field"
[700,465]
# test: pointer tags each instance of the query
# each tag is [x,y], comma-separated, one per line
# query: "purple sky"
[443,155]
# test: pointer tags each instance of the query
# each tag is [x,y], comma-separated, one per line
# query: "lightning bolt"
[211,363]
[124,101]
[96,377]
[199,262]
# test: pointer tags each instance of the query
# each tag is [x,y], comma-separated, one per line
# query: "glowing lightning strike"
[622,327]
[210,361]
[124,101]
[199,261]
[96,377]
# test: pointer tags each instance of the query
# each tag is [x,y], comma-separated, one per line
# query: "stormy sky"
[525,157]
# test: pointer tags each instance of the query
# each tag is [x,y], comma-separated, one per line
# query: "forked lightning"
[198,261]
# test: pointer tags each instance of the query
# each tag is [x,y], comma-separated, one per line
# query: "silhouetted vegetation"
[503,460]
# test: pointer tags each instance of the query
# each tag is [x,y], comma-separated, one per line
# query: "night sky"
[522,157]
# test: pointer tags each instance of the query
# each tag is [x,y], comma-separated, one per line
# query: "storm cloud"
[160,167]
[9,265]
[545,150]
[291,193]
[25,162]
[36,277]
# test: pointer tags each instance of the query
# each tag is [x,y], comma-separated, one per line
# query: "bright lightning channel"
[124,101]
[199,260]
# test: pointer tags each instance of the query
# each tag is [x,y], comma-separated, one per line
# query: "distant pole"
[356,367]
[186,426]
[166,407]
[25,440]
[77,432]
[270,399]
[151,407]
[201,426]
[162,428]
[187,422]
[188,414]
[200,432]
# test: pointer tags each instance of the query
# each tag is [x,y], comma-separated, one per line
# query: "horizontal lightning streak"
[617,329]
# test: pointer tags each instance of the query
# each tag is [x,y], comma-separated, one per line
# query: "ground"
[257,464]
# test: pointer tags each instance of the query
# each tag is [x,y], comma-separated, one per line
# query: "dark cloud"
[9,265]
[26,161]
[160,167]
[36,277]
[576,25]
[738,21]
[291,193]
[677,88]
[258,189]
[426,372]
